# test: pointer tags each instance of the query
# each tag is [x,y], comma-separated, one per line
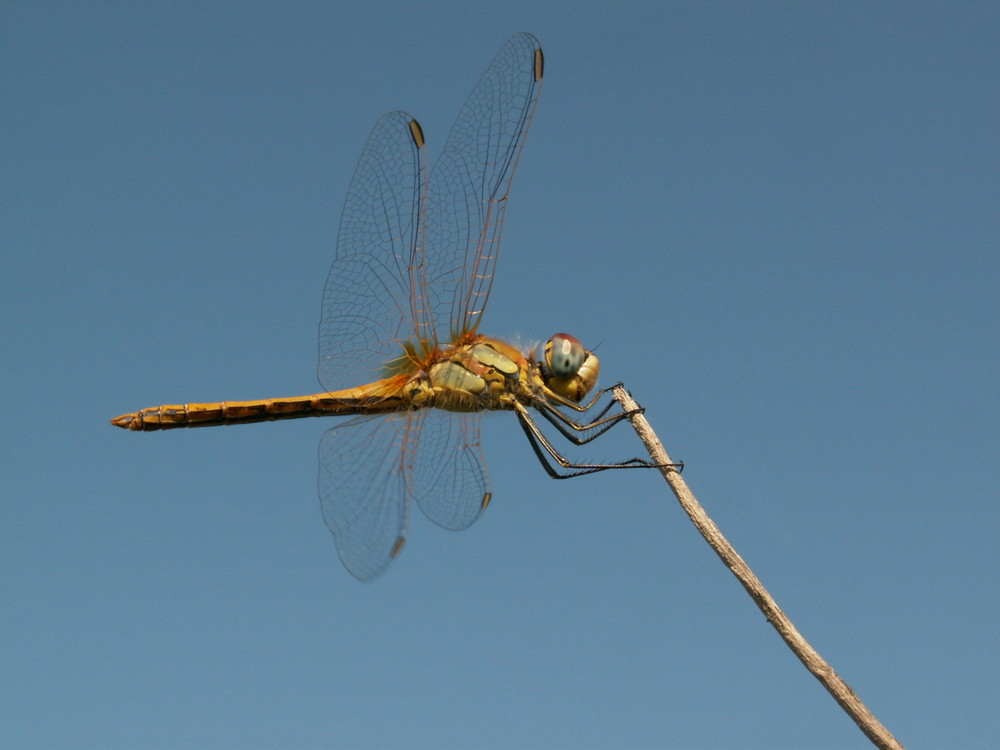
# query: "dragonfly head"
[568,369]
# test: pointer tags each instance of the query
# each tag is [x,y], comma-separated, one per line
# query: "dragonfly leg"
[545,452]
[578,433]
[596,427]
[562,401]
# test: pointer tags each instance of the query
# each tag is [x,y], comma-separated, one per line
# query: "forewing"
[468,187]
[369,300]
[365,488]
[450,482]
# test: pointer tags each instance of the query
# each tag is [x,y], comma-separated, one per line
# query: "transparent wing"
[364,491]
[468,187]
[369,301]
[450,482]
[388,287]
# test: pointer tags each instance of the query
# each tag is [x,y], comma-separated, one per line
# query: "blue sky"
[780,225]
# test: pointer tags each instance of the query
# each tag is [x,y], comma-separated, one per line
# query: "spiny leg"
[575,406]
[595,427]
[571,429]
[544,450]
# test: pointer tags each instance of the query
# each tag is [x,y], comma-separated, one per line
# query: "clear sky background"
[779,222]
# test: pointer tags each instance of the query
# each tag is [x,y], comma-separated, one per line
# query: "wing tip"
[417,133]
[397,547]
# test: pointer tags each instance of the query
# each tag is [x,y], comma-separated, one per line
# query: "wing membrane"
[450,482]
[365,487]
[389,290]
[468,187]
[369,300]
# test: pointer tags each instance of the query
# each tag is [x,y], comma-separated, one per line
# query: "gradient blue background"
[779,223]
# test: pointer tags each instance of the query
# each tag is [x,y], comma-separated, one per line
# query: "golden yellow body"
[479,375]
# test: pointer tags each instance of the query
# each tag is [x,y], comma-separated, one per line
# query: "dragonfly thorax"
[567,368]
[473,376]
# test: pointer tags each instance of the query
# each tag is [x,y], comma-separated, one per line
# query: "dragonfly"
[402,305]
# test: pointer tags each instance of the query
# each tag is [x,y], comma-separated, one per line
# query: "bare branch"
[823,672]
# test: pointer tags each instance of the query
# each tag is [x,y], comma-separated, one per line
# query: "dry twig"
[823,672]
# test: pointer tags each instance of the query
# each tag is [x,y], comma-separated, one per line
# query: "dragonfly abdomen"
[377,398]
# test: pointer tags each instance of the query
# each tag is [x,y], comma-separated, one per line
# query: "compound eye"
[564,355]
